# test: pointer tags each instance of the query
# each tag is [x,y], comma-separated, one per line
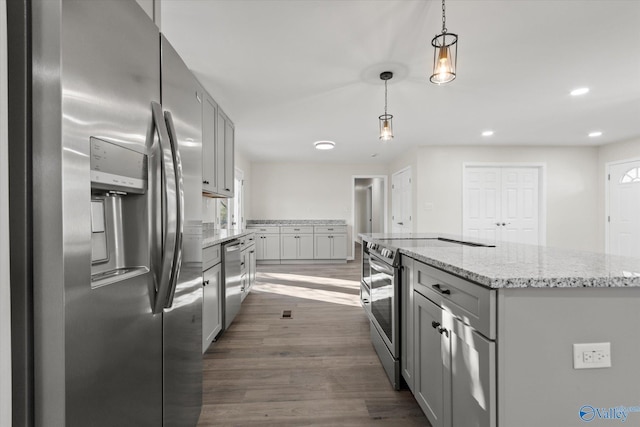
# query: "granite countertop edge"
[541,266]
[294,222]
[211,239]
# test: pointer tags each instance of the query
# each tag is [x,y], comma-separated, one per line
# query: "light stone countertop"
[293,222]
[512,265]
[214,237]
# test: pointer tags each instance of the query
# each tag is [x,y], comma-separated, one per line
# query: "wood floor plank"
[316,369]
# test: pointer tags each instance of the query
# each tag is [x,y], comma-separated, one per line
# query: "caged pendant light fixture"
[445,54]
[386,124]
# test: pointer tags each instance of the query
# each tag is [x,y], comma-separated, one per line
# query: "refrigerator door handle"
[173,139]
[169,209]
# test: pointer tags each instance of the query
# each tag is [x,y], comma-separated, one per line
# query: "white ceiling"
[291,72]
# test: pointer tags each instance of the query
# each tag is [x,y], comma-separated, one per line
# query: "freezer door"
[97,344]
[182,325]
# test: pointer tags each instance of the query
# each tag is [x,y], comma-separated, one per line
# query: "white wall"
[306,190]
[5,306]
[572,182]
[244,165]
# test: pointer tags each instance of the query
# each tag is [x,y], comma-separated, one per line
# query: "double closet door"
[502,204]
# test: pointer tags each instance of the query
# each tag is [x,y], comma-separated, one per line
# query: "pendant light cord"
[444,19]
[385,97]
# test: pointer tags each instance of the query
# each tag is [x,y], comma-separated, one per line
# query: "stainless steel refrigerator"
[106,225]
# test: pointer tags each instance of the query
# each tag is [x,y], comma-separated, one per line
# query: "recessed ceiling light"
[579,91]
[324,145]
[595,134]
[487,133]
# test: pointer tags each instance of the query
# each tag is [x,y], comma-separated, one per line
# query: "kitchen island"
[488,332]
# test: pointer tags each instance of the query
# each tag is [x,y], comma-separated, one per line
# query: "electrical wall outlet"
[592,355]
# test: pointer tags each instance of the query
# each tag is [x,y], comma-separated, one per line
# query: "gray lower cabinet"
[330,246]
[406,321]
[268,247]
[296,246]
[430,389]
[454,365]
[211,305]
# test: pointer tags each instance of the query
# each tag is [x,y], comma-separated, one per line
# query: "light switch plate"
[592,355]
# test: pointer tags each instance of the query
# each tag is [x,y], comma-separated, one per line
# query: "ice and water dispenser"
[120,205]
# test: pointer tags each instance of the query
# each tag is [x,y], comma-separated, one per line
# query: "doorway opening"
[369,207]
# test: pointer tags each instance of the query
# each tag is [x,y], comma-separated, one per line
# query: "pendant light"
[386,124]
[445,54]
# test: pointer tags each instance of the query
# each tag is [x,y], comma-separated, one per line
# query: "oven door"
[366,269]
[365,298]
[385,302]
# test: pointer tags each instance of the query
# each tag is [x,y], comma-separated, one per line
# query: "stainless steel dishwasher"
[232,289]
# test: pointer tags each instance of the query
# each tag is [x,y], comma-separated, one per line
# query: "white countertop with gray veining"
[512,265]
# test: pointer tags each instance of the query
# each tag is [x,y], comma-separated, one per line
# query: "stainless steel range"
[384,282]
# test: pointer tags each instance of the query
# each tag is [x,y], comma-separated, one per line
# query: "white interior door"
[519,209]
[502,204]
[624,209]
[401,202]
[483,203]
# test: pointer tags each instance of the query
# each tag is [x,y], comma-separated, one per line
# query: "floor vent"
[286,314]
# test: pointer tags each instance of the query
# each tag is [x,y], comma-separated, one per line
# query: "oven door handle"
[380,267]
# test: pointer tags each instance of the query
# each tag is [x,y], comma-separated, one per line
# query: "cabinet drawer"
[474,304]
[330,229]
[268,229]
[296,230]
[250,239]
[210,256]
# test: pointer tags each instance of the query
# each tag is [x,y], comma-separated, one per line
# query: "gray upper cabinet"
[218,160]
[224,154]
[209,155]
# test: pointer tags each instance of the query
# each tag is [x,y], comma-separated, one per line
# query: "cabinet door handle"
[435,324]
[205,283]
[205,182]
[438,288]
[443,331]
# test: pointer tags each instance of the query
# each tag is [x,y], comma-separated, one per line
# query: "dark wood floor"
[316,369]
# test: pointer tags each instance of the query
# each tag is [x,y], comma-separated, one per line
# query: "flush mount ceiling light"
[579,91]
[324,145]
[386,124]
[487,133]
[595,134]
[445,54]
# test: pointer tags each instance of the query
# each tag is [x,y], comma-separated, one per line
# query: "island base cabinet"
[406,322]
[455,370]
[473,378]
[429,362]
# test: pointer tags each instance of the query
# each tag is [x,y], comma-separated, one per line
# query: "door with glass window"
[623,216]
